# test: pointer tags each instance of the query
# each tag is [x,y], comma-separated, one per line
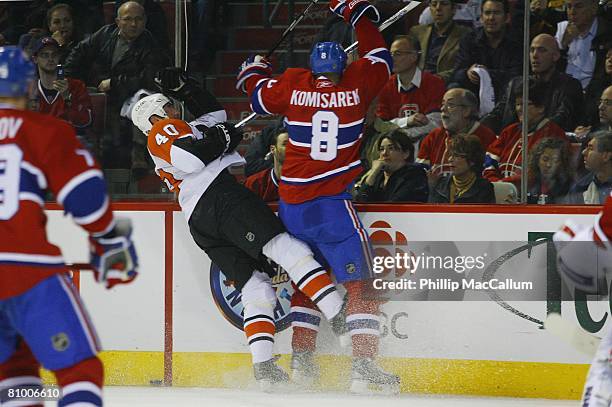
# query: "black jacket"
[481,192]
[503,63]
[564,104]
[408,184]
[91,62]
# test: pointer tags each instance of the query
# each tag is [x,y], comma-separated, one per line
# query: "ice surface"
[192,397]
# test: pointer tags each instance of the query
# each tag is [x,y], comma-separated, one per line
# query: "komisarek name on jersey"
[325,100]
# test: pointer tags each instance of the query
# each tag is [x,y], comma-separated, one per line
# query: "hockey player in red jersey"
[325,109]
[230,223]
[584,260]
[42,319]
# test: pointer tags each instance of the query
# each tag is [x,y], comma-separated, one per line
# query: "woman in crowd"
[60,23]
[465,183]
[549,172]
[393,177]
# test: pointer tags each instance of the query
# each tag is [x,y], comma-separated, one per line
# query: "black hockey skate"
[304,369]
[270,376]
[369,378]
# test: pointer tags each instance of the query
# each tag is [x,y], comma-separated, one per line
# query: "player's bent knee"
[258,291]
[287,251]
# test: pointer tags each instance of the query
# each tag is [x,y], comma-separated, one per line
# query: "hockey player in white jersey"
[584,261]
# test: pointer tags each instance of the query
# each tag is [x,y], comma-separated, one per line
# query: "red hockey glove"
[353,10]
[113,256]
[254,65]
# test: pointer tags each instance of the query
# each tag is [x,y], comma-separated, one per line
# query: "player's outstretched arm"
[175,83]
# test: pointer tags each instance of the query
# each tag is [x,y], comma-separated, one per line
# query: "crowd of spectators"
[456,83]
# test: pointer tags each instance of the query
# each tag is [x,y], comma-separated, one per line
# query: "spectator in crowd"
[87,12]
[60,23]
[257,155]
[504,155]
[439,40]
[459,116]
[549,172]
[467,14]
[595,186]
[265,182]
[584,39]
[411,98]
[123,58]
[393,177]
[66,98]
[544,18]
[562,94]
[604,114]
[156,20]
[464,184]
[490,51]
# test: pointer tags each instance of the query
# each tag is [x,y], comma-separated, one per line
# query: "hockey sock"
[362,320]
[305,320]
[21,369]
[259,300]
[309,276]
[81,383]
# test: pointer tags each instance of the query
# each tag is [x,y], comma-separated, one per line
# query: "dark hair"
[52,10]
[469,146]
[277,132]
[537,92]
[563,176]
[503,3]
[401,140]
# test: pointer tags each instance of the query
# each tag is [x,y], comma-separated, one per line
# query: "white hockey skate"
[270,377]
[304,370]
[369,378]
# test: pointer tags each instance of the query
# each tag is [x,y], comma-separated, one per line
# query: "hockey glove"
[254,65]
[226,134]
[353,10]
[113,256]
[172,82]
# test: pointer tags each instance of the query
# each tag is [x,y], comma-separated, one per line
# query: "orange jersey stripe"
[259,327]
[316,284]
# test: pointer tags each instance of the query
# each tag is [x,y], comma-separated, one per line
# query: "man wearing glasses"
[459,116]
[411,98]
[439,40]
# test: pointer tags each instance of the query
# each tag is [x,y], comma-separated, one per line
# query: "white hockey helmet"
[147,107]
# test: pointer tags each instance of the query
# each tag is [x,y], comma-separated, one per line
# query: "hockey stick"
[291,27]
[394,18]
[391,20]
[573,335]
